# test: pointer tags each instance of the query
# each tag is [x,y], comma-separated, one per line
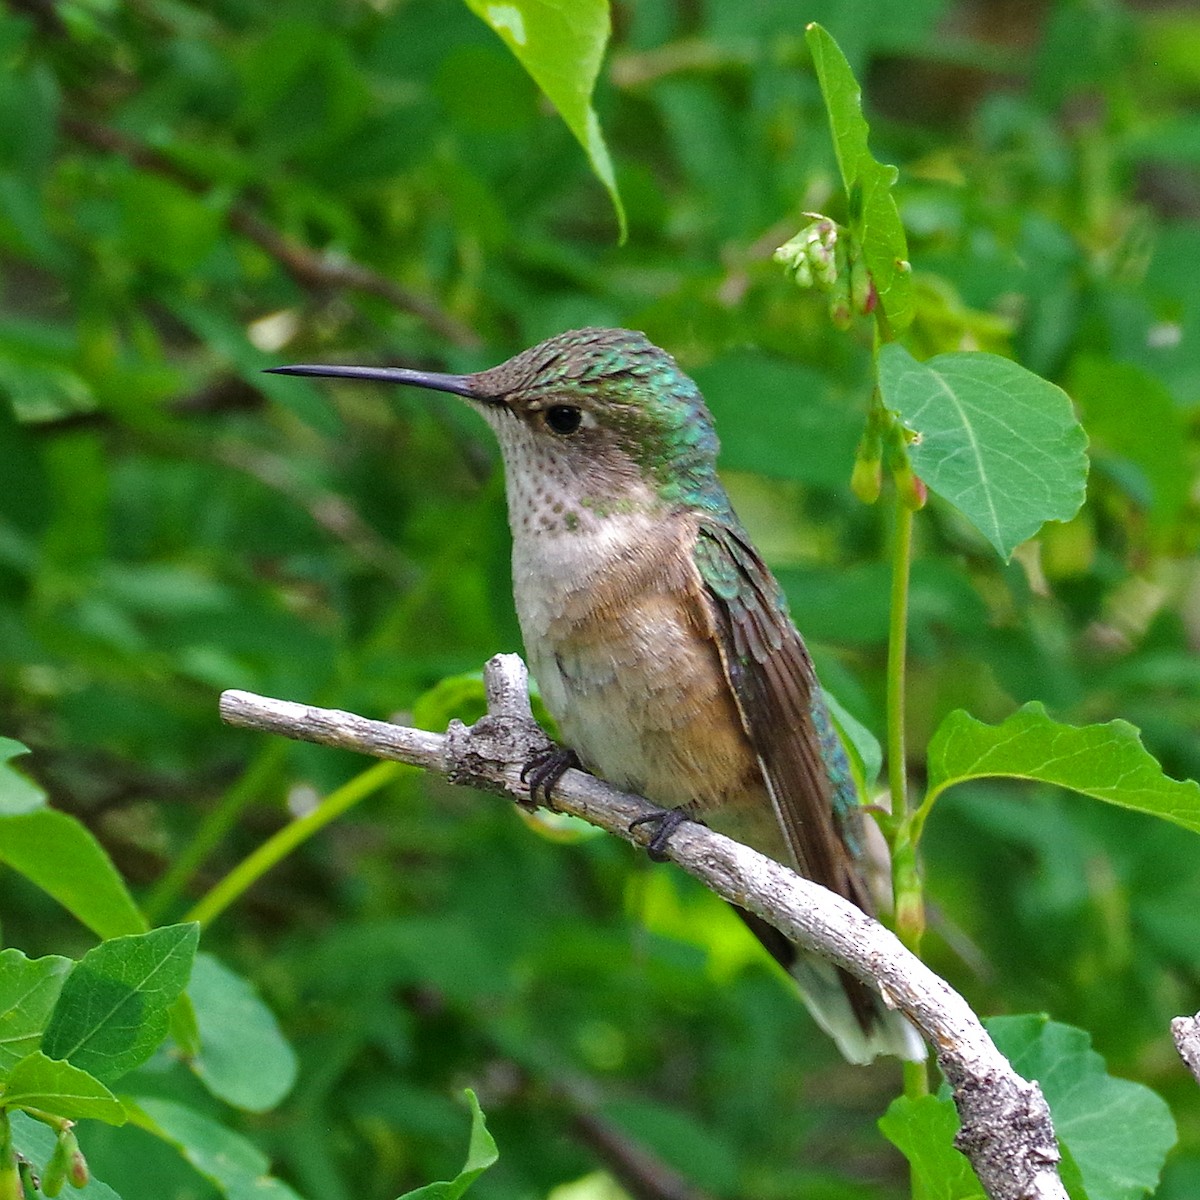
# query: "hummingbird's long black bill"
[460,385]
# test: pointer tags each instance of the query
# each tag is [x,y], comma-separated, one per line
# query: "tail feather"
[825,994]
[851,1013]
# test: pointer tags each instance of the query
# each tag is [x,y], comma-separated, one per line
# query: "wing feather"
[782,710]
[804,769]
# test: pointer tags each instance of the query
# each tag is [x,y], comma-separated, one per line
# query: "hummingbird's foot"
[545,768]
[667,821]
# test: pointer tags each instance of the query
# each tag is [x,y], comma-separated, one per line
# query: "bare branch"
[1006,1128]
[1186,1032]
[309,268]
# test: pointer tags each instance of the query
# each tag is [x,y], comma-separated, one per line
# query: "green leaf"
[228,339]
[225,1158]
[59,1088]
[165,225]
[243,1059]
[113,1011]
[481,1154]
[17,794]
[1106,761]
[997,441]
[35,1142]
[801,427]
[923,1130]
[1130,414]
[874,217]
[561,45]
[1118,1132]
[866,754]
[55,851]
[29,988]
[461,696]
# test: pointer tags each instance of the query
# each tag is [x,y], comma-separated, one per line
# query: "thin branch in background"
[328,510]
[311,269]
[640,1173]
[1006,1129]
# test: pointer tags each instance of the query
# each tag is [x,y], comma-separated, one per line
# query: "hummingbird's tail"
[855,1016]
[885,1031]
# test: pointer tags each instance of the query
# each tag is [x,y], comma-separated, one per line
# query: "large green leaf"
[481,1154]
[561,44]
[923,1131]
[58,1087]
[113,1011]
[874,217]
[29,988]
[997,441]
[1131,415]
[1106,761]
[1114,1133]
[55,851]
[228,1160]
[1117,1132]
[243,1058]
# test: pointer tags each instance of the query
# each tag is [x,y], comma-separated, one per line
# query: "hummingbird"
[660,641]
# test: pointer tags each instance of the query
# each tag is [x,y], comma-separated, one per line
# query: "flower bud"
[866,481]
[910,487]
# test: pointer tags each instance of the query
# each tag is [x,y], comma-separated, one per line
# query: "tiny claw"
[667,821]
[545,768]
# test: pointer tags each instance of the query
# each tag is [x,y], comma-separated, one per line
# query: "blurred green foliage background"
[191,192]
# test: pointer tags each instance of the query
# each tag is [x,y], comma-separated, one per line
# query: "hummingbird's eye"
[564,418]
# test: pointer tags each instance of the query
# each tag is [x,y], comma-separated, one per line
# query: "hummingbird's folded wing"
[782,710]
[805,771]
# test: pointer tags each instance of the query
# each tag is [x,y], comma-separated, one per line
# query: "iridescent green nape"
[657,410]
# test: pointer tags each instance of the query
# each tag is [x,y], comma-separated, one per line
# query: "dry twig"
[309,268]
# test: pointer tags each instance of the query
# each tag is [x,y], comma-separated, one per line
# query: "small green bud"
[912,489]
[78,1172]
[54,1176]
[823,253]
[792,252]
[12,1186]
[58,1169]
[867,478]
[840,312]
[866,481]
[872,301]
[841,309]
[862,288]
[810,254]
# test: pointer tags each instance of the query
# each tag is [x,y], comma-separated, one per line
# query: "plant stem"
[213,829]
[906,880]
[280,845]
[896,663]
[10,1172]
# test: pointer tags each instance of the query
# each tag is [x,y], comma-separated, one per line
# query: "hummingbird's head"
[597,419]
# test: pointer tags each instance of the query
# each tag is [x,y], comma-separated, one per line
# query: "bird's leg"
[666,822]
[545,767]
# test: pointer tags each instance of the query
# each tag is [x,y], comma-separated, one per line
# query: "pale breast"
[614,630]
